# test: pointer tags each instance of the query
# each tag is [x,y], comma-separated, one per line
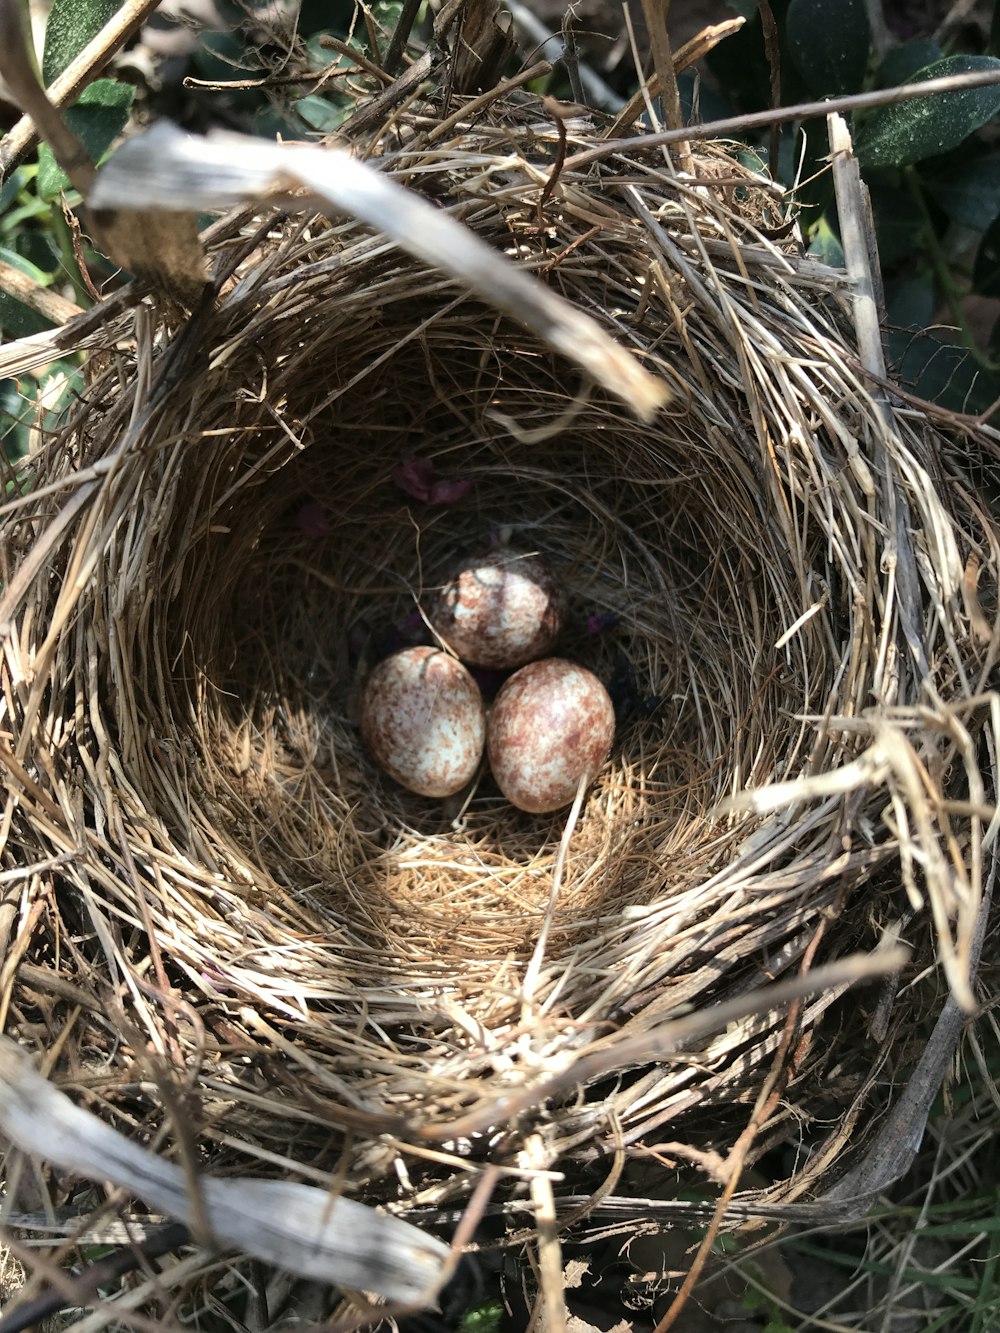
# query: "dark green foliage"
[907,132]
[97,118]
[902,62]
[828,42]
[966,186]
[986,272]
[739,64]
[70,26]
[898,224]
[932,166]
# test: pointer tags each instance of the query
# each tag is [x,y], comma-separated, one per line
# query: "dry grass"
[236,933]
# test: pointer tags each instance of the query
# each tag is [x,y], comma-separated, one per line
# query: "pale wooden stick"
[300,1228]
[163,168]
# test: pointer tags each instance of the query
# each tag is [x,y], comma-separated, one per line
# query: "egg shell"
[500,610]
[551,724]
[422,718]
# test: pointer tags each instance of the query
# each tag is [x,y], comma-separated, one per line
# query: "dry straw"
[247,949]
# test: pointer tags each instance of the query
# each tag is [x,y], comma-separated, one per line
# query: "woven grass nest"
[208,885]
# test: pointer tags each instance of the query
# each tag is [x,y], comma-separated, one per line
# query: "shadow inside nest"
[322,559]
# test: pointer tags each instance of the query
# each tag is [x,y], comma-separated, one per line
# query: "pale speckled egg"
[500,610]
[422,718]
[551,724]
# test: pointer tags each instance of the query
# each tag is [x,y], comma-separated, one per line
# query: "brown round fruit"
[500,611]
[551,725]
[423,720]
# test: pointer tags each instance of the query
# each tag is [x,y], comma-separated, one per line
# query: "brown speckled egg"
[423,720]
[501,610]
[552,723]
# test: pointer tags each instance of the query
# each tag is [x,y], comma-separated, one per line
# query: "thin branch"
[718,129]
[401,35]
[50,305]
[685,56]
[76,76]
[552,47]
[83,1287]
[772,45]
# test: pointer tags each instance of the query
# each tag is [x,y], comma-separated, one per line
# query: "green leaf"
[895,136]
[18,320]
[11,223]
[15,414]
[71,25]
[828,41]
[909,302]
[945,373]
[25,265]
[321,114]
[968,189]
[37,247]
[902,62]
[739,66]
[97,118]
[824,244]
[11,188]
[986,270]
[899,226]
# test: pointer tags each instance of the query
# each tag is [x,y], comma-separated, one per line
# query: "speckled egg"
[552,724]
[423,720]
[500,610]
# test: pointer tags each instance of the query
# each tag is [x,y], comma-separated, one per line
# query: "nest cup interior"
[298,580]
[251,551]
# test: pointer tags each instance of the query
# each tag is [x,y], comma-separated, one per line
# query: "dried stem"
[81,71]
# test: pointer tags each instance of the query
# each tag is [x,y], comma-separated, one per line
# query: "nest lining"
[181,677]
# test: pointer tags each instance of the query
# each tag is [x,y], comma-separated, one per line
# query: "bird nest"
[213,899]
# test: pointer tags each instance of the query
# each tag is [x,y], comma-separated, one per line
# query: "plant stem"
[76,76]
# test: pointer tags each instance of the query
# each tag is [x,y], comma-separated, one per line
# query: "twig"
[851,209]
[718,129]
[75,77]
[772,46]
[17,65]
[692,51]
[330,43]
[47,303]
[861,259]
[552,46]
[571,56]
[301,1228]
[401,34]
[666,1039]
[81,1288]
[547,1232]
[558,115]
[374,112]
[655,13]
